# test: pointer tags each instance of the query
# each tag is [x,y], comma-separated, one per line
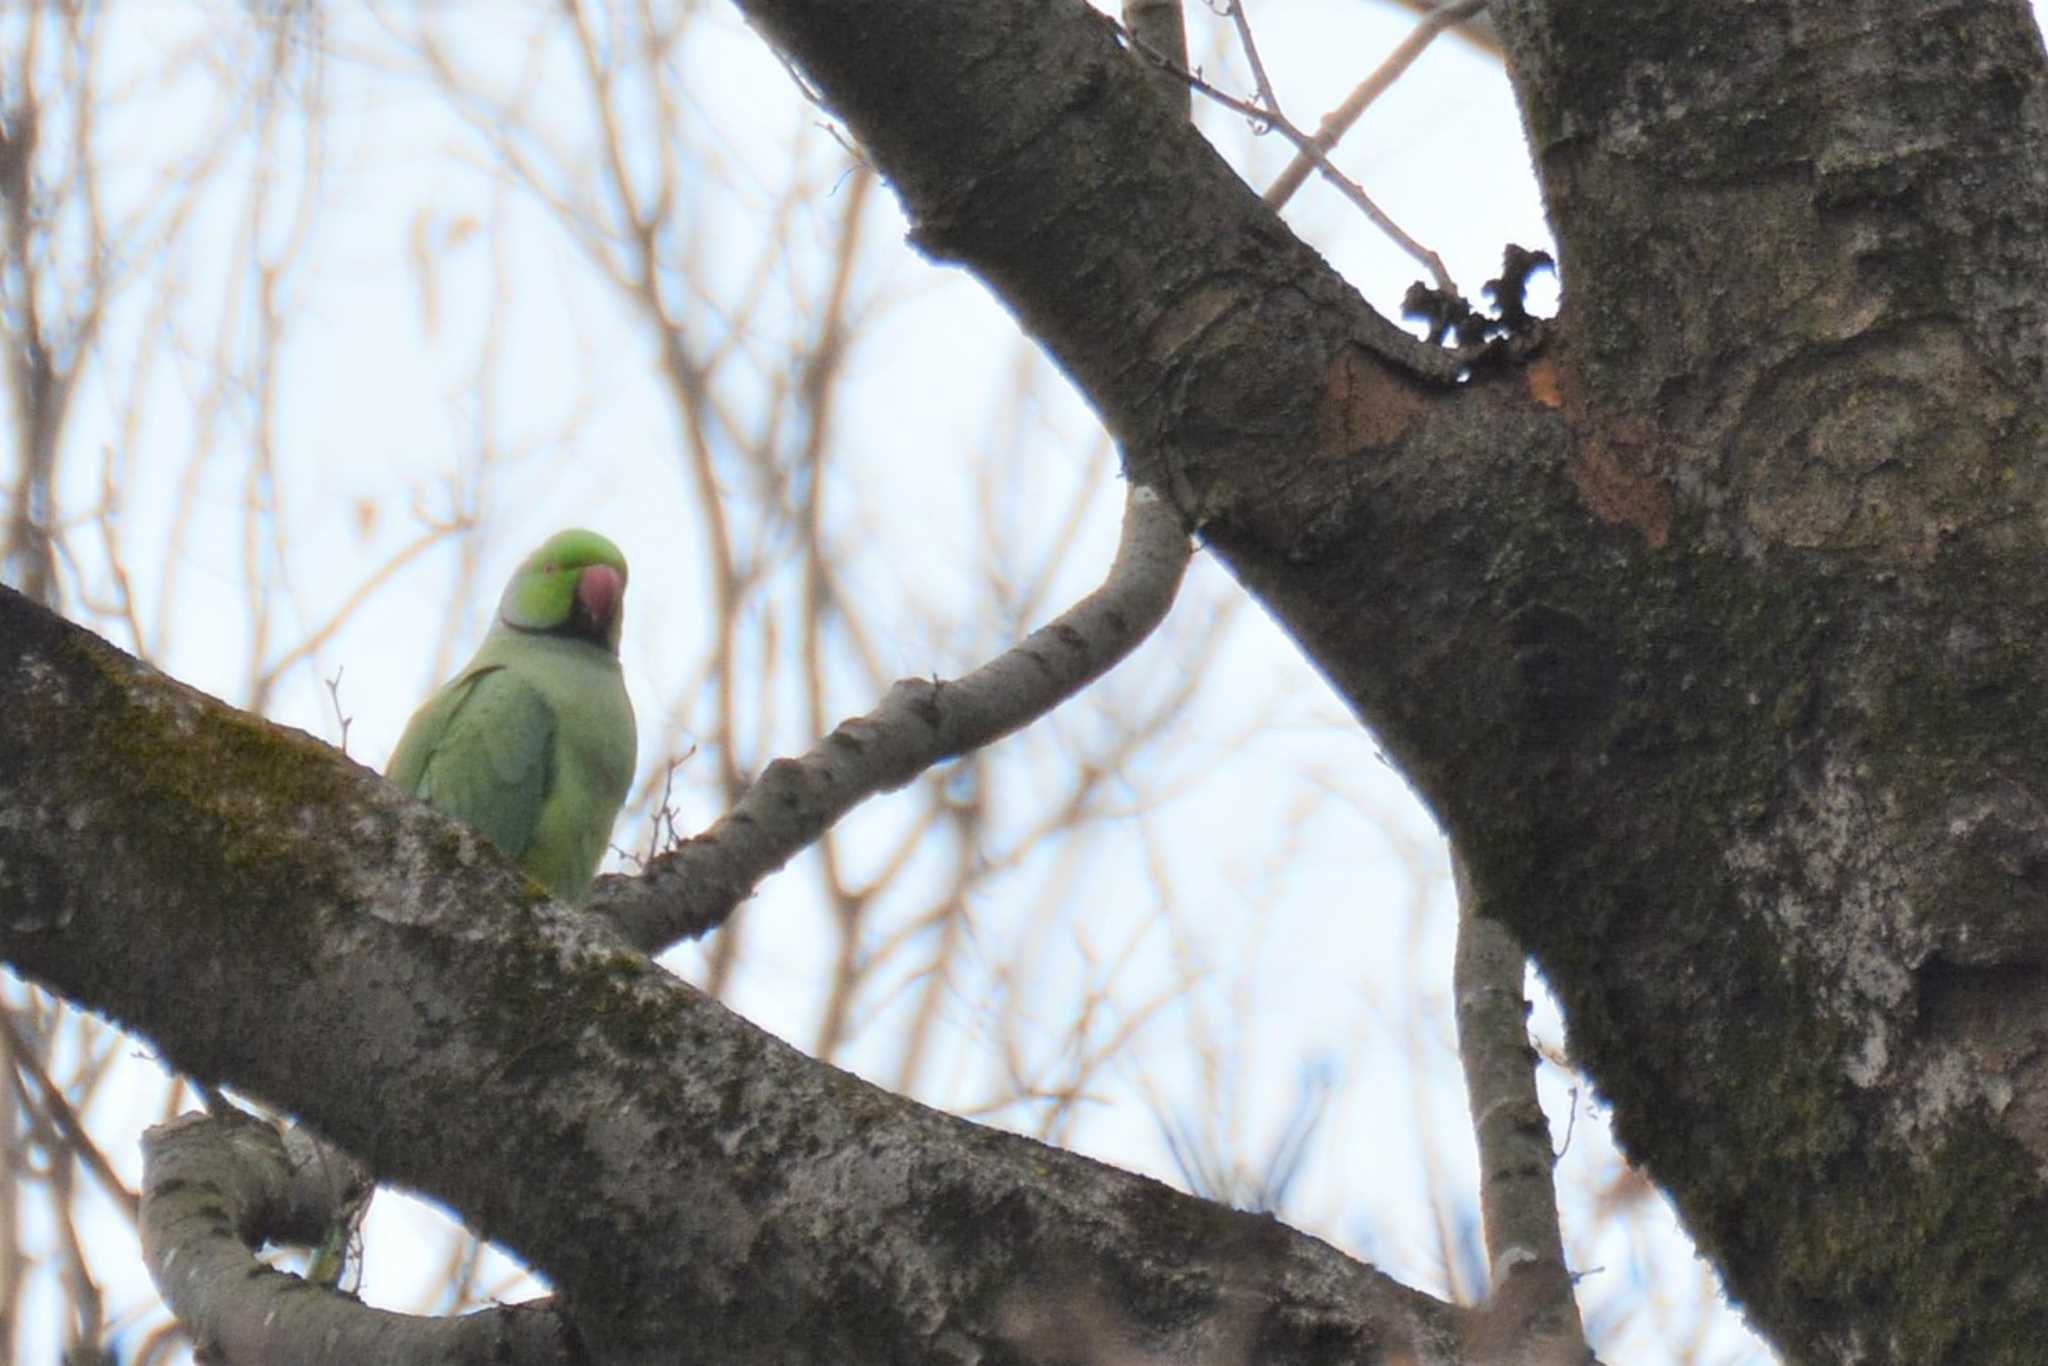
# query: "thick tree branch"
[1717,624]
[1713,635]
[274,916]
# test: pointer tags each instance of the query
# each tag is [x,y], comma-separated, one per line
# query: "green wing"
[532,744]
[482,750]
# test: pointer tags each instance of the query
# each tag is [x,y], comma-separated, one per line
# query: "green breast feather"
[532,744]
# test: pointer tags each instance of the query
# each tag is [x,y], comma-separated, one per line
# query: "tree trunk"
[1710,634]
[1708,628]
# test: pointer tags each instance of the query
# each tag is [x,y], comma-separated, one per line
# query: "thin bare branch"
[1306,146]
[919,723]
[1241,21]
[1339,120]
[1531,1298]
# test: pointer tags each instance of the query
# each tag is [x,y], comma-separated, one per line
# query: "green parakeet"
[533,742]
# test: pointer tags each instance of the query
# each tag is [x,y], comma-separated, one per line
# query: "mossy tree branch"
[275,917]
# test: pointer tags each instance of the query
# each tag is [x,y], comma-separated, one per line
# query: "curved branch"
[921,722]
[215,1188]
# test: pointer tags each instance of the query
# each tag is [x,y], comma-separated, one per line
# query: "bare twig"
[1306,146]
[341,718]
[1339,120]
[1264,86]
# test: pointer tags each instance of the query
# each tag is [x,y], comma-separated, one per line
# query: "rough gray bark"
[271,915]
[1712,635]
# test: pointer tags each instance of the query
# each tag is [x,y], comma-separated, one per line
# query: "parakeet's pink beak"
[597,591]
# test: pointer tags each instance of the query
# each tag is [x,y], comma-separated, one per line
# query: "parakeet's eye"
[550,567]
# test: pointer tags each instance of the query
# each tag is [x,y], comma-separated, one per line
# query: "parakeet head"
[574,585]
